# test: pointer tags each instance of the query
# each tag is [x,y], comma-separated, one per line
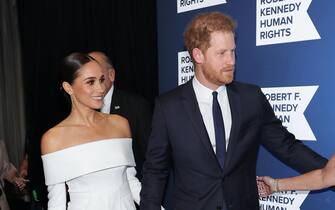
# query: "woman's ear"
[67,88]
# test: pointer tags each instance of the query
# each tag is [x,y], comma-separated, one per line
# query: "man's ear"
[111,74]
[67,88]
[198,56]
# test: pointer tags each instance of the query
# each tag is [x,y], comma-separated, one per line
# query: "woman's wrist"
[276,185]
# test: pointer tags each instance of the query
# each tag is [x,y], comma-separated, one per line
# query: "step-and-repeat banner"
[288,48]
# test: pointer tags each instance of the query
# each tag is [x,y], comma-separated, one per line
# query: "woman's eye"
[91,82]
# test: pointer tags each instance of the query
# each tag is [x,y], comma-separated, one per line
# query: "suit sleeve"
[283,145]
[157,165]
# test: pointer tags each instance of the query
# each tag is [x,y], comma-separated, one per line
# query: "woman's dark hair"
[69,68]
[71,64]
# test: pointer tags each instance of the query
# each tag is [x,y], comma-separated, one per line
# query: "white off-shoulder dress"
[100,176]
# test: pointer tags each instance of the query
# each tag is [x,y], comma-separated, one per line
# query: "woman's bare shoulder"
[118,118]
[120,124]
[53,139]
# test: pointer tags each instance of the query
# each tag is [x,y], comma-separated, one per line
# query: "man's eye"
[102,80]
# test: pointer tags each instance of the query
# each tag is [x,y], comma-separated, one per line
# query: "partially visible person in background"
[31,168]
[314,180]
[130,106]
[23,170]
[8,172]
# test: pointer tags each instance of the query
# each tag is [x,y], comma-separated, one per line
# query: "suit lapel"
[235,107]
[193,112]
[116,102]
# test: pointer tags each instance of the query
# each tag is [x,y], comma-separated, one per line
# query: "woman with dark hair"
[89,151]
[314,180]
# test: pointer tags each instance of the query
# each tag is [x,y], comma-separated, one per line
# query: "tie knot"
[215,94]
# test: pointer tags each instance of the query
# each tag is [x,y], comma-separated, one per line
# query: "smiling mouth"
[98,97]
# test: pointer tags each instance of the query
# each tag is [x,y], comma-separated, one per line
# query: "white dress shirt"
[106,107]
[205,100]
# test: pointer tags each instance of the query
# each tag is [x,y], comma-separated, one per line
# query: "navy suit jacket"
[179,141]
[138,113]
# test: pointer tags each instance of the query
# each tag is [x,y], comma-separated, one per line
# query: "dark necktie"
[220,139]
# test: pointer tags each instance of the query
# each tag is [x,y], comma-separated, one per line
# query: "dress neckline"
[116,139]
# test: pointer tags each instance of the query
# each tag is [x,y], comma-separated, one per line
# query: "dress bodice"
[75,161]
[99,181]
[99,174]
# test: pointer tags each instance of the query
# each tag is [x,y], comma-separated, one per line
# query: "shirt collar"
[108,96]
[203,93]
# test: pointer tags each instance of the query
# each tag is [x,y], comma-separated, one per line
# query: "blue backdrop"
[292,50]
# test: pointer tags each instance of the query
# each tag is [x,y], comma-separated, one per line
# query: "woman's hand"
[266,185]
[20,182]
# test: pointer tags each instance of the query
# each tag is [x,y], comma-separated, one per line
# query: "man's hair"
[198,32]
[103,55]
[108,61]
